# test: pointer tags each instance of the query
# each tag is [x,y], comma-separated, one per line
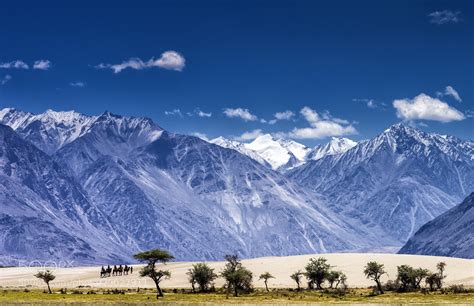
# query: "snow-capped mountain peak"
[278,152]
[337,145]
[284,154]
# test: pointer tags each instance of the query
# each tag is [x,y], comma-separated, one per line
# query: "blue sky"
[329,68]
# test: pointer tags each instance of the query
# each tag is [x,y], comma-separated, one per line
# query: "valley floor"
[458,271]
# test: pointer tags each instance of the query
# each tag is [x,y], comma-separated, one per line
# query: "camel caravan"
[115,271]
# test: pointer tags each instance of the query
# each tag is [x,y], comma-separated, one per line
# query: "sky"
[306,70]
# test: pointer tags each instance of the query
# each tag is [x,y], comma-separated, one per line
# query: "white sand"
[459,271]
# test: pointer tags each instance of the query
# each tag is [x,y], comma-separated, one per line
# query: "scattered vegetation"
[324,284]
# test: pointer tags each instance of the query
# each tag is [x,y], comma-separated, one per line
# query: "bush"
[391,285]
[202,275]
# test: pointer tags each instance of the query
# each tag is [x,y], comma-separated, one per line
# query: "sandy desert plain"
[14,281]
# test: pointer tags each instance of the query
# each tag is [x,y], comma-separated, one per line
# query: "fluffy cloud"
[170,60]
[241,113]
[174,112]
[42,65]
[77,84]
[321,126]
[5,79]
[251,135]
[14,65]
[444,17]
[425,107]
[286,115]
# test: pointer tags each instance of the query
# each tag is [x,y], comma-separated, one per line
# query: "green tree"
[441,266]
[151,258]
[432,280]
[202,275]
[410,278]
[333,277]
[419,275]
[297,278]
[317,271]
[342,280]
[47,276]
[374,271]
[237,277]
[266,276]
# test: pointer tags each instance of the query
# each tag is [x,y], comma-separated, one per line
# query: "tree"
[440,266]
[435,280]
[237,277]
[47,276]
[266,276]
[333,277]
[151,258]
[297,278]
[418,275]
[342,280]
[410,278]
[432,280]
[374,271]
[405,276]
[202,275]
[317,271]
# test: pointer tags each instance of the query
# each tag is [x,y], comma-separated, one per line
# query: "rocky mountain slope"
[399,180]
[449,234]
[137,186]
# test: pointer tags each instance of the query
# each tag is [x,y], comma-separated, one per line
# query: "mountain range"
[283,154]
[449,234]
[92,189]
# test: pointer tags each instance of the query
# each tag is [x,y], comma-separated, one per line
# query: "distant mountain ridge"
[151,188]
[412,176]
[110,185]
[283,154]
[449,234]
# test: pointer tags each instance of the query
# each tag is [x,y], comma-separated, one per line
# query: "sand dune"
[459,271]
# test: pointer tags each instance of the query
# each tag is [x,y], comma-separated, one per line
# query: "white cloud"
[241,113]
[444,17]
[249,135]
[170,60]
[174,112]
[425,107]
[77,84]
[42,65]
[5,79]
[370,103]
[200,135]
[450,91]
[286,115]
[14,65]
[321,126]
[200,113]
